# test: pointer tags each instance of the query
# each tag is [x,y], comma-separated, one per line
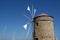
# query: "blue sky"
[12,19]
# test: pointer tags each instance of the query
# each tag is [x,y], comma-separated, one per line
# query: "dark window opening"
[37,24]
[42,36]
[36,38]
[46,36]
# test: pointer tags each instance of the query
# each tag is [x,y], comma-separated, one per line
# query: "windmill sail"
[28,8]
[27,17]
[28,31]
[25,26]
[34,12]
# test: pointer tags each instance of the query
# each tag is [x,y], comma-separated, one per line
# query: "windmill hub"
[31,20]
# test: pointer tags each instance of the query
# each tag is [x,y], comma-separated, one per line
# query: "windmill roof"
[43,15]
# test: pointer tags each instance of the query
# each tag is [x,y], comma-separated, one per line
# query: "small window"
[42,36]
[37,24]
[36,38]
[46,36]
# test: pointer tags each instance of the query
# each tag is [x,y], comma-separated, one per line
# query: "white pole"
[28,31]
[4,31]
[13,36]
[32,11]
[27,17]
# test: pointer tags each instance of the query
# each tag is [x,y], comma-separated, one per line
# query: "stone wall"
[43,28]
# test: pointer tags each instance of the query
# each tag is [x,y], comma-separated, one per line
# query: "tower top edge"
[43,15]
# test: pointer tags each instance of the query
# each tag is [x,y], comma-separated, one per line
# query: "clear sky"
[12,19]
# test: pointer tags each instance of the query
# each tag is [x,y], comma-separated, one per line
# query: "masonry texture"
[43,27]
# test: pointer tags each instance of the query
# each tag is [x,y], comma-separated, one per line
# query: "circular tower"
[43,27]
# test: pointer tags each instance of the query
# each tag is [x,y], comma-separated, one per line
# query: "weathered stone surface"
[44,28]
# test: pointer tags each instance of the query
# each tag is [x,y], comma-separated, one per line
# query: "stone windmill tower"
[43,27]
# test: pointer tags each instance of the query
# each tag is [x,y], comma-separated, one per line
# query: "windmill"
[32,13]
